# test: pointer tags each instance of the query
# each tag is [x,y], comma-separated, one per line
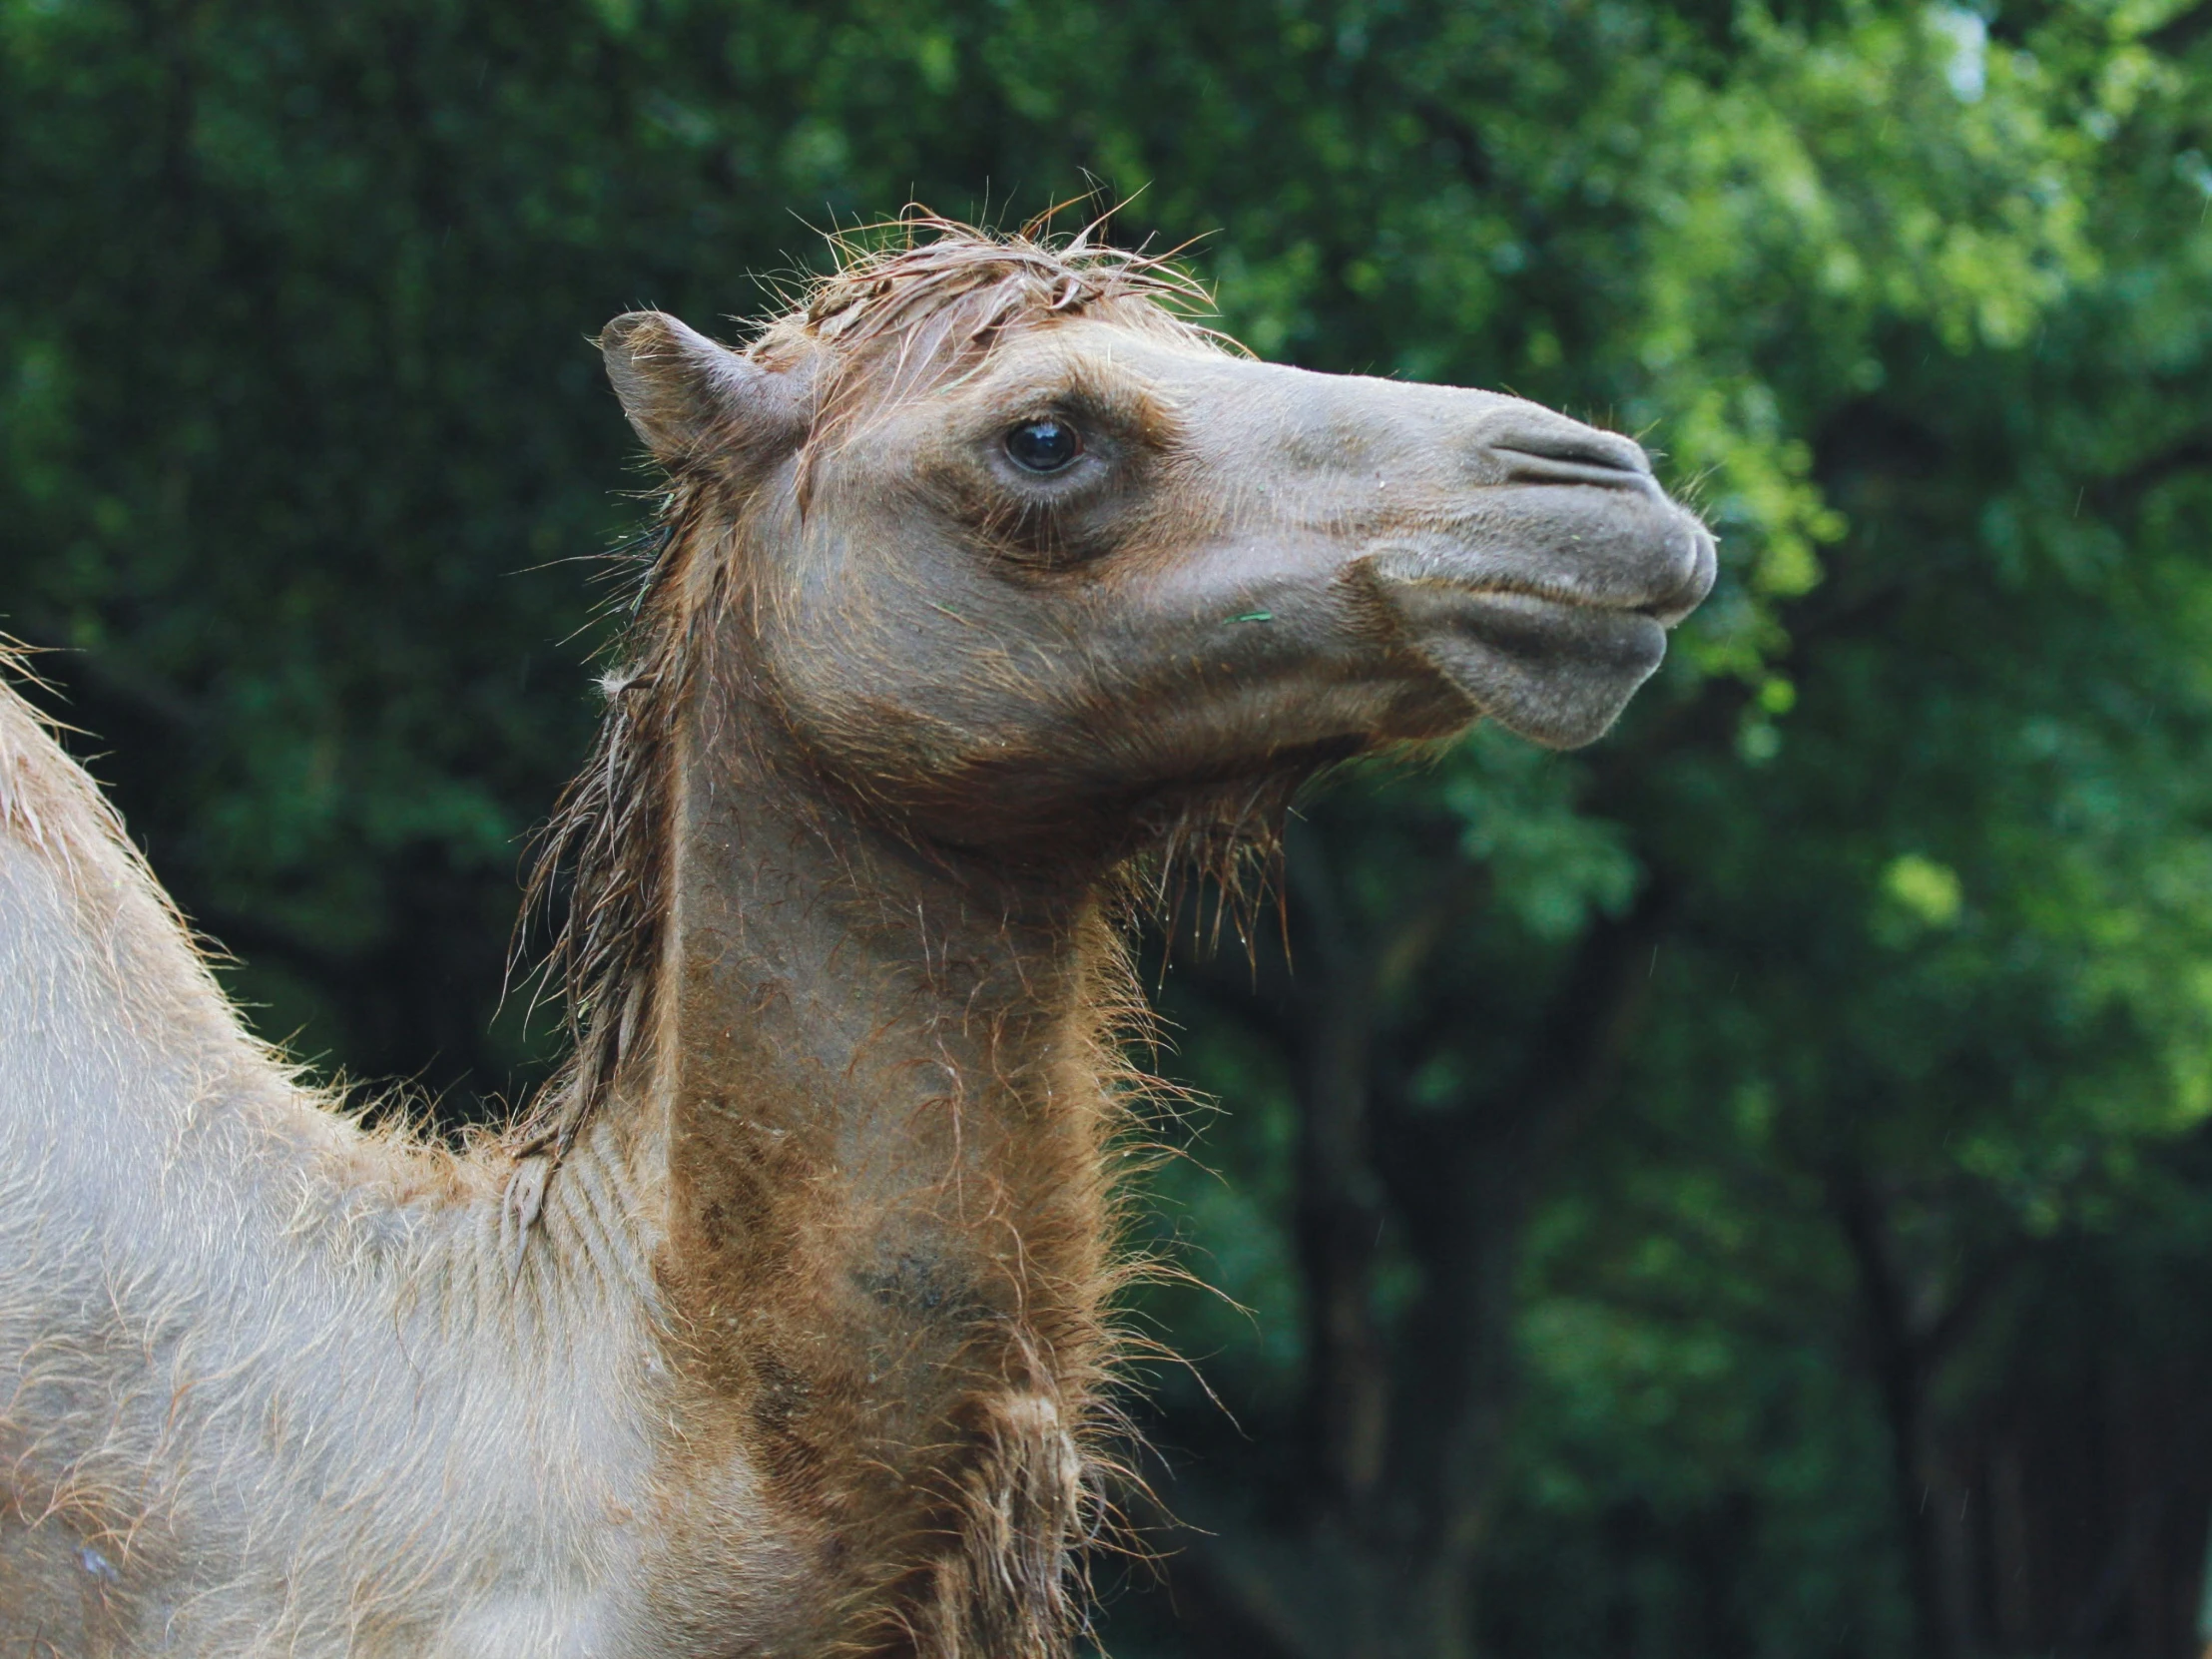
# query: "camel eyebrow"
[1120,399]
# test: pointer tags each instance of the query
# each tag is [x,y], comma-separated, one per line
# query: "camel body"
[785,1324]
[266,1381]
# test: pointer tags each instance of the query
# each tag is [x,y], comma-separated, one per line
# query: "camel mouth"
[1554,663]
[1552,636]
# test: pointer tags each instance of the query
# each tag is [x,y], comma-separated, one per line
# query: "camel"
[987,586]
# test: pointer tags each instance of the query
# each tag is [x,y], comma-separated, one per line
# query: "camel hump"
[74,887]
[48,801]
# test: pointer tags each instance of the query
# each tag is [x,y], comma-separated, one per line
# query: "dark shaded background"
[1742,1190]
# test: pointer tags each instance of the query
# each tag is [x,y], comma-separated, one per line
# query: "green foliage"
[1881,1146]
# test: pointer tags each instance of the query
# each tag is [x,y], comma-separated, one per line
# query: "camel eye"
[1043,445]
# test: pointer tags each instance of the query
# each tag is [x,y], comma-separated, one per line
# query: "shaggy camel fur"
[783,1324]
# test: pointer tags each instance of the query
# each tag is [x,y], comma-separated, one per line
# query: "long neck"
[885,1079]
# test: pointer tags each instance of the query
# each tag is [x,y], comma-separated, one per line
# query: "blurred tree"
[1740,1191]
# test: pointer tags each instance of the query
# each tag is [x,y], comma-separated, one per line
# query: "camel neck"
[831,980]
[883,1079]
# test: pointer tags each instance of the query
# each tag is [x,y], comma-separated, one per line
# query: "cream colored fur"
[229,1315]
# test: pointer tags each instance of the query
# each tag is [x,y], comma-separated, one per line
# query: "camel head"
[1026,557]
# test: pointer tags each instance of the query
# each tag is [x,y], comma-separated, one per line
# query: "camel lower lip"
[1556,672]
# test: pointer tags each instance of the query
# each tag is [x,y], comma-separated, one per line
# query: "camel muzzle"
[1550,605]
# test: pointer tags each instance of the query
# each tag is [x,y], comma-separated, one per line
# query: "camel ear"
[687,396]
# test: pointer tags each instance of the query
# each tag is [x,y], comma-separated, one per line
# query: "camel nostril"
[1562,451]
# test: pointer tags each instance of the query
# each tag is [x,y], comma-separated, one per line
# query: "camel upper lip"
[1657,561]
[1666,607]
